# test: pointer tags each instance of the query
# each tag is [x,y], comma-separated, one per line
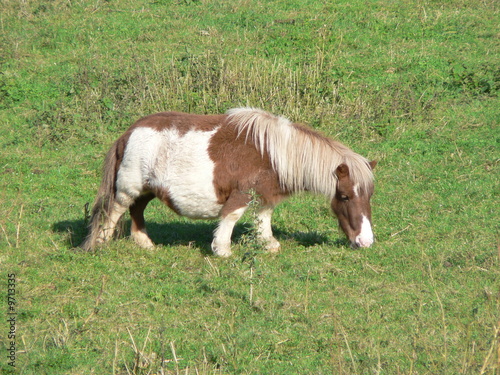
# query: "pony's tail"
[104,201]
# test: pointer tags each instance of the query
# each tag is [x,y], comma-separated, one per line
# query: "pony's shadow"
[197,234]
[193,234]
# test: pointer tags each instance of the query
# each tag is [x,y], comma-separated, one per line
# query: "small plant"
[251,241]
[484,80]
[252,244]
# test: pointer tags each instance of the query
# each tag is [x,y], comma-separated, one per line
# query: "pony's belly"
[195,206]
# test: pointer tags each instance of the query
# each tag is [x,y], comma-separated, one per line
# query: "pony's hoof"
[142,240]
[273,246]
[221,250]
[222,254]
[274,250]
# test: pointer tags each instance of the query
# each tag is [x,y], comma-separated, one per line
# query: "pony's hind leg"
[109,225]
[138,227]
[265,231]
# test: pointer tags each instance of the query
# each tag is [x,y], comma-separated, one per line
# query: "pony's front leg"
[221,245]
[265,231]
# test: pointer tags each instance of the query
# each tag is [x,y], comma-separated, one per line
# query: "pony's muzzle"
[365,236]
[362,242]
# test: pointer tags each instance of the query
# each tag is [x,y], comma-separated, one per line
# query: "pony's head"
[351,204]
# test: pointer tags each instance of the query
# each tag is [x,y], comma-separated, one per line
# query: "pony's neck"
[303,159]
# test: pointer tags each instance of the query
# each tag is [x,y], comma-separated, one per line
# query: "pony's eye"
[344,197]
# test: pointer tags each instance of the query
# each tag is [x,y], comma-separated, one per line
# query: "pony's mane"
[303,159]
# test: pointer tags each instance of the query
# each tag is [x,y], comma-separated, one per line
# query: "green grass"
[413,85]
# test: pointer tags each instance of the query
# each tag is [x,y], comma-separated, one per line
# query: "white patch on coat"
[176,163]
[365,237]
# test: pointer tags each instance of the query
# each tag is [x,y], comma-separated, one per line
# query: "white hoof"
[142,240]
[221,250]
[272,245]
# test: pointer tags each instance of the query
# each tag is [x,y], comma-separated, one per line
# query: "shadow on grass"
[305,239]
[198,234]
[193,234]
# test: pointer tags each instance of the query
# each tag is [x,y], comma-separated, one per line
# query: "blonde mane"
[303,159]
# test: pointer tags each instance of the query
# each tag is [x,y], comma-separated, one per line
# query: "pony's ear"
[342,171]
[373,163]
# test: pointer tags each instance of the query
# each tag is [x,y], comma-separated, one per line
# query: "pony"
[207,166]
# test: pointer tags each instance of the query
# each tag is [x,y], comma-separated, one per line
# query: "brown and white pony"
[205,166]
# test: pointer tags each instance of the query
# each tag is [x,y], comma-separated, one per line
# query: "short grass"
[414,85]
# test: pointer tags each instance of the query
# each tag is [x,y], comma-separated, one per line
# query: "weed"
[482,81]
[250,241]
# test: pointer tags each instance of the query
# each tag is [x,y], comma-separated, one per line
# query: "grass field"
[414,85]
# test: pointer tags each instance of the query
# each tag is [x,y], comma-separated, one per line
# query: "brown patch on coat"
[183,122]
[239,168]
[137,212]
